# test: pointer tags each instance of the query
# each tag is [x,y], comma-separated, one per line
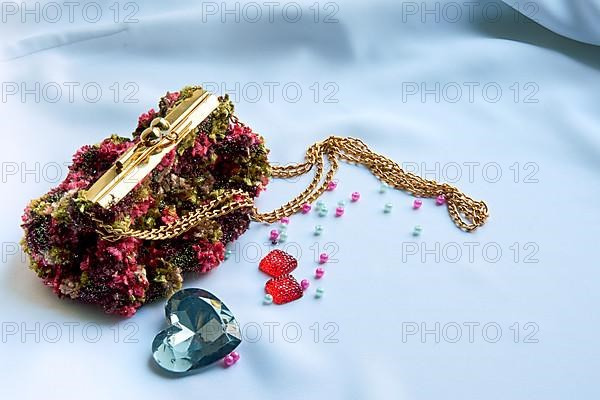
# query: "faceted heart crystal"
[202,331]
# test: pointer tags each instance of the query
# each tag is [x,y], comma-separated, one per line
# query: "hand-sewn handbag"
[133,216]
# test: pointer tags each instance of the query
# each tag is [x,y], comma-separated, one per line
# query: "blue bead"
[318,230]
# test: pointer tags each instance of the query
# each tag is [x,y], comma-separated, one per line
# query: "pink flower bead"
[323,258]
[355,196]
[306,208]
[304,284]
[417,204]
[284,220]
[319,272]
[440,200]
[331,185]
[274,234]
[235,355]
[339,211]
[228,361]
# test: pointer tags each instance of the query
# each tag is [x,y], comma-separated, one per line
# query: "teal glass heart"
[202,331]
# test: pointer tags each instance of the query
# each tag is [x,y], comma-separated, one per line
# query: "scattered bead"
[319,205]
[282,237]
[339,211]
[285,220]
[323,211]
[323,258]
[235,355]
[274,235]
[318,230]
[228,361]
[383,188]
[282,228]
[417,204]
[355,196]
[306,208]
[319,272]
[319,293]
[268,299]
[304,283]
[228,254]
[417,230]
[331,185]
[440,200]
[387,208]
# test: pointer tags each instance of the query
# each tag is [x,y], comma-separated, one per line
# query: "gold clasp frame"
[163,135]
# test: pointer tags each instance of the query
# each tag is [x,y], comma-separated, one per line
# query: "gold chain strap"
[224,204]
[467,214]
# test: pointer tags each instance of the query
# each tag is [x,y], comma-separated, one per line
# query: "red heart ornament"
[278,263]
[284,289]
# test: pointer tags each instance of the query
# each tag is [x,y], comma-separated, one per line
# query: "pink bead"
[319,272]
[323,258]
[235,355]
[417,204]
[339,211]
[306,208]
[228,361]
[440,200]
[284,220]
[355,196]
[304,284]
[274,234]
[331,185]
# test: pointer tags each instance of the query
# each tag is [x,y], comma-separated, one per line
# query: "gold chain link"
[467,214]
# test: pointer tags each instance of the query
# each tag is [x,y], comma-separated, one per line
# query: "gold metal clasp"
[163,135]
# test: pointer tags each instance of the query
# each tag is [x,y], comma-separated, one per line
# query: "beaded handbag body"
[215,158]
[133,216]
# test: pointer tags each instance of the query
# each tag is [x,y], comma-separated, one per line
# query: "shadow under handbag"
[133,216]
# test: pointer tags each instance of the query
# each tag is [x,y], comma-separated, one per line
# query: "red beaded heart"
[284,289]
[278,263]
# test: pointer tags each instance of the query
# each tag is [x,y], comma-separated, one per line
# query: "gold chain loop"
[467,214]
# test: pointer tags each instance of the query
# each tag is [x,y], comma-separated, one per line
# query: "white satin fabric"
[505,109]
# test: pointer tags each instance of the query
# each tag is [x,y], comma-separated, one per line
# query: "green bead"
[319,293]
[319,205]
[268,299]
[323,211]
[387,208]
[383,188]
[282,237]
[227,254]
[282,227]
[342,203]
[417,231]
[318,230]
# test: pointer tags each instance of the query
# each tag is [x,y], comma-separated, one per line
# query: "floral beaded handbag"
[133,216]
